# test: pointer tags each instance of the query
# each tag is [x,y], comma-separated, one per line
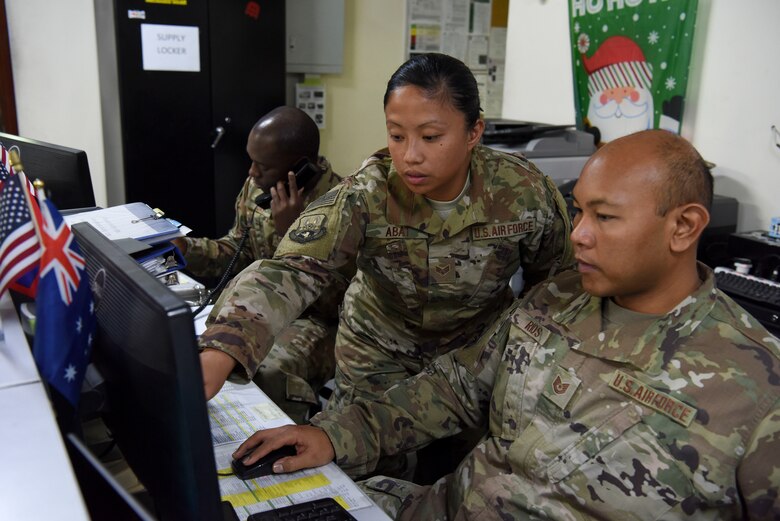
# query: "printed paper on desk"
[235,413]
[134,220]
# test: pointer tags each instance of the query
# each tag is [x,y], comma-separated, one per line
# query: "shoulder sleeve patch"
[309,228]
[325,200]
[317,230]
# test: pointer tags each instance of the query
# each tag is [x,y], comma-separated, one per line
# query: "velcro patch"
[309,228]
[561,388]
[658,401]
[442,271]
[380,231]
[324,200]
[491,231]
[531,328]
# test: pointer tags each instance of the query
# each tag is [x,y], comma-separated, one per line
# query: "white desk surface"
[236,412]
[36,481]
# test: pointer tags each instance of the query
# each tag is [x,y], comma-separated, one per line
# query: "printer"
[560,151]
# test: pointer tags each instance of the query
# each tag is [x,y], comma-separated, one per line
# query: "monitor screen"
[64,171]
[145,349]
[104,495]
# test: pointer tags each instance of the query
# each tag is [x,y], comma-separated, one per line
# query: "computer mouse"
[262,467]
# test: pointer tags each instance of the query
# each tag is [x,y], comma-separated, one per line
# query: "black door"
[170,118]
[247,70]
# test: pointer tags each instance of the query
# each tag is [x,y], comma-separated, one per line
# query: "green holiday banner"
[631,60]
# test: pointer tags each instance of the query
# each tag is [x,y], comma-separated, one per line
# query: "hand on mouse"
[311,443]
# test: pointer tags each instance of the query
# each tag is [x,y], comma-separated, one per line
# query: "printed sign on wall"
[170,48]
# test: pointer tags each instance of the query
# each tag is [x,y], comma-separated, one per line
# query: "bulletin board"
[474,31]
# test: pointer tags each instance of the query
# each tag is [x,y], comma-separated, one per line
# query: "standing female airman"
[432,228]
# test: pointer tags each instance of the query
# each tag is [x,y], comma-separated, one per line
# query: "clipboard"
[132,220]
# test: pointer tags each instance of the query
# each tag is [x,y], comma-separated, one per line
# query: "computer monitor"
[104,496]
[145,349]
[64,171]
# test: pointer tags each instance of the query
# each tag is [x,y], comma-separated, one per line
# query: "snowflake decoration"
[670,83]
[604,28]
[652,38]
[635,17]
[70,373]
[583,43]
[576,27]
[682,17]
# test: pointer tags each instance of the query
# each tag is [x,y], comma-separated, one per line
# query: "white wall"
[538,83]
[732,101]
[733,92]
[54,57]
[373,50]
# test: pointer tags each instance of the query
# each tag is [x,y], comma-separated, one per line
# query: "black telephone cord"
[229,269]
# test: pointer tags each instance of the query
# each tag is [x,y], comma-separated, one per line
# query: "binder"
[161,259]
[132,220]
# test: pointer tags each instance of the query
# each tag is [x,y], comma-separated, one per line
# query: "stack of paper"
[133,220]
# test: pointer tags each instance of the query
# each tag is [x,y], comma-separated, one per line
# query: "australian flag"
[65,311]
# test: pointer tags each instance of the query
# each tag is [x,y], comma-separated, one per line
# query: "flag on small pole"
[39,256]
[65,311]
[20,250]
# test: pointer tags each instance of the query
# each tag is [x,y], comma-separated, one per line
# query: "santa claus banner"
[630,60]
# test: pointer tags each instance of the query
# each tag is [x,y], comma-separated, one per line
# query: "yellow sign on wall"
[168,2]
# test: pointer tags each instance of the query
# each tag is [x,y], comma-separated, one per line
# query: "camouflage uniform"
[668,417]
[301,359]
[423,286]
[208,257]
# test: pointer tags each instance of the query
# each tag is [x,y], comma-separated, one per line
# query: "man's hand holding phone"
[286,207]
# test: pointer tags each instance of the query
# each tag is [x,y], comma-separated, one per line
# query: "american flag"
[65,311]
[19,247]
[27,281]
[6,170]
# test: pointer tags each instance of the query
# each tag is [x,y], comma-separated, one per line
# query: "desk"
[37,480]
[236,412]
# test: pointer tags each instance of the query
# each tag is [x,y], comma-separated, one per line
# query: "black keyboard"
[325,509]
[755,289]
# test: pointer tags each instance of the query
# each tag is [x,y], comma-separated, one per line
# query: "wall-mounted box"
[315,36]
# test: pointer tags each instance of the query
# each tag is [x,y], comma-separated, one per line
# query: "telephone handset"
[304,170]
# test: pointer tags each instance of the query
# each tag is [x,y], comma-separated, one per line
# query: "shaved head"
[686,177]
[291,130]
